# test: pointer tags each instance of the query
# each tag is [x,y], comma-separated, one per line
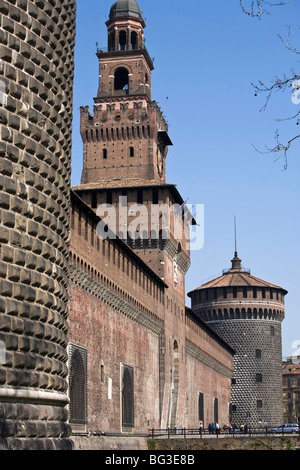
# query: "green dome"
[127,8]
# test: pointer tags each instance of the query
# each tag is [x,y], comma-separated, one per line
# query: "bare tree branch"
[280,149]
[256,8]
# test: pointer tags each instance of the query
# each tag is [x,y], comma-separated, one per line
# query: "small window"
[263,293]
[258,353]
[258,378]
[224,292]
[131,152]
[140,196]
[234,292]
[233,381]
[254,292]
[104,154]
[259,403]
[272,331]
[155,196]
[245,292]
[109,197]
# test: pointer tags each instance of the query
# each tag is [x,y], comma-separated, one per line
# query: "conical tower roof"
[236,276]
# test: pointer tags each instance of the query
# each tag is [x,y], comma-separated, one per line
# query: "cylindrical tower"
[247,313]
[36,84]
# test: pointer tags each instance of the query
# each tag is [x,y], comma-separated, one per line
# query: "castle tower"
[36,81]
[247,313]
[125,145]
[127,138]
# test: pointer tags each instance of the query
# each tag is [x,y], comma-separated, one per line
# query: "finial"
[235,242]
[236,262]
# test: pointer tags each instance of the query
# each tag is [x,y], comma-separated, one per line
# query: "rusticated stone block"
[32,148]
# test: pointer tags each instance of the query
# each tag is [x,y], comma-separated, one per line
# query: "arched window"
[122,40]
[121,79]
[127,396]
[77,385]
[134,40]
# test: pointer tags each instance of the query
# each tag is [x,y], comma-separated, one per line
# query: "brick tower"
[247,313]
[36,83]
[125,145]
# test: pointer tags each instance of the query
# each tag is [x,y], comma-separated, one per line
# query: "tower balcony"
[104,52]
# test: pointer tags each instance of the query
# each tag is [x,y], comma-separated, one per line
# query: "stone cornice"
[93,287]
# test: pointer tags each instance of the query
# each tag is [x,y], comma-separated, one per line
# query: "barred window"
[201,406]
[77,385]
[127,396]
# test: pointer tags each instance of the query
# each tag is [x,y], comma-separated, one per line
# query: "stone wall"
[36,76]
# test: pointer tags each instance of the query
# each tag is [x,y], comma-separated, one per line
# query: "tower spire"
[235,242]
[236,262]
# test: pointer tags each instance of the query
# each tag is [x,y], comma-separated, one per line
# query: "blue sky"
[207,53]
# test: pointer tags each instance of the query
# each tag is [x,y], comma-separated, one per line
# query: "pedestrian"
[217,428]
[213,427]
[200,427]
[209,428]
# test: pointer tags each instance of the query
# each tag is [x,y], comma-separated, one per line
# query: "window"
[131,152]
[258,353]
[224,292]
[127,396]
[134,40]
[109,197]
[258,378]
[94,200]
[245,292]
[77,385]
[121,79]
[234,292]
[254,292]
[201,406]
[122,40]
[259,403]
[104,154]
[263,293]
[272,331]
[140,196]
[155,196]
[216,410]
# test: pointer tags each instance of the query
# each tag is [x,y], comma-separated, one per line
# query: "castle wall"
[36,77]
[113,338]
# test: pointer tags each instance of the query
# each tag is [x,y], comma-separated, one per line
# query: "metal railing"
[222,432]
[100,50]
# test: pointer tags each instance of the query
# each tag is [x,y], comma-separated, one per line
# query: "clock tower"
[127,137]
[125,145]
